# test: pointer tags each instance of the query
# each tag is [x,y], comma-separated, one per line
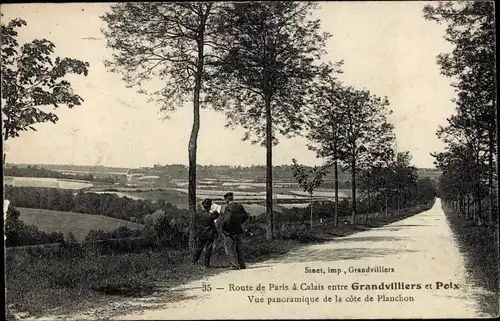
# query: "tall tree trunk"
[5,138]
[479,215]
[368,210]
[336,174]
[386,210]
[464,204]
[473,210]
[4,161]
[353,189]
[467,206]
[459,205]
[398,200]
[311,196]
[336,213]
[491,144]
[269,171]
[192,169]
[193,139]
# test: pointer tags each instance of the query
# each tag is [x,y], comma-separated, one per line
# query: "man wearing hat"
[231,227]
[206,232]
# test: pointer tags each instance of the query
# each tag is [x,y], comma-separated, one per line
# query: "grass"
[480,248]
[50,285]
[77,223]
[46,285]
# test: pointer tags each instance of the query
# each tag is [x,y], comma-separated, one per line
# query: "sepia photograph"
[219,160]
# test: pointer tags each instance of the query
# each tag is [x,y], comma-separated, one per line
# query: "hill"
[65,222]
[212,173]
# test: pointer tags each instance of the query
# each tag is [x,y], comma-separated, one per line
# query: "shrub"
[296,232]
[120,232]
[167,228]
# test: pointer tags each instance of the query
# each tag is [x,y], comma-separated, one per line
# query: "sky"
[387,47]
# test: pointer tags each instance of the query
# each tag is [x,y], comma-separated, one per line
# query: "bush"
[120,240]
[167,228]
[120,232]
[256,229]
[297,232]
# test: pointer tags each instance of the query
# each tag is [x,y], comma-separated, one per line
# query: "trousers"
[232,247]
[201,244]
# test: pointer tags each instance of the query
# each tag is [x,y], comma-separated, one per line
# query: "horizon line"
[176,164]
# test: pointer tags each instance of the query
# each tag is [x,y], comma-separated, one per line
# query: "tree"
[171,43]
[426,190]
[325,125]
[268,52]
[385,181]
[32,80]
[405,177]
[309,180]
[374,180]
[461,180]
[471,29]
[70,238]
[367,135]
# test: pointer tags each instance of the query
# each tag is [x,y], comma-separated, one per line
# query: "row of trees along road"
[394,180]
[349,128]
[469,160]
[259,63]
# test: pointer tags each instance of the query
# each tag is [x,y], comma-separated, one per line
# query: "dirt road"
[415,270]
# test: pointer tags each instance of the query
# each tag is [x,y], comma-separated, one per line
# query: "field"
[46,182]
[176,198]
[254,201]
[258,209]
[65,222]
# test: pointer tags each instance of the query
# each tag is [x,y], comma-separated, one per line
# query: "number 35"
[206,287]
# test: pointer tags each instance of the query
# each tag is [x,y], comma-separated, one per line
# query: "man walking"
[234,216]
[206,232]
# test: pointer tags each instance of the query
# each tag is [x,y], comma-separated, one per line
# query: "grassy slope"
[480,248]
[65,222]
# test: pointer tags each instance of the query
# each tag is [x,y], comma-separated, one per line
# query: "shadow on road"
[401,225]
[395,228]
[370,239]
[330,254]
[228,267]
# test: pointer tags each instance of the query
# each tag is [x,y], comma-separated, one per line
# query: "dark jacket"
[234,216]
[205,226]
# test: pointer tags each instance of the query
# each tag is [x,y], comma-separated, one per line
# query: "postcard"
[250,160]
